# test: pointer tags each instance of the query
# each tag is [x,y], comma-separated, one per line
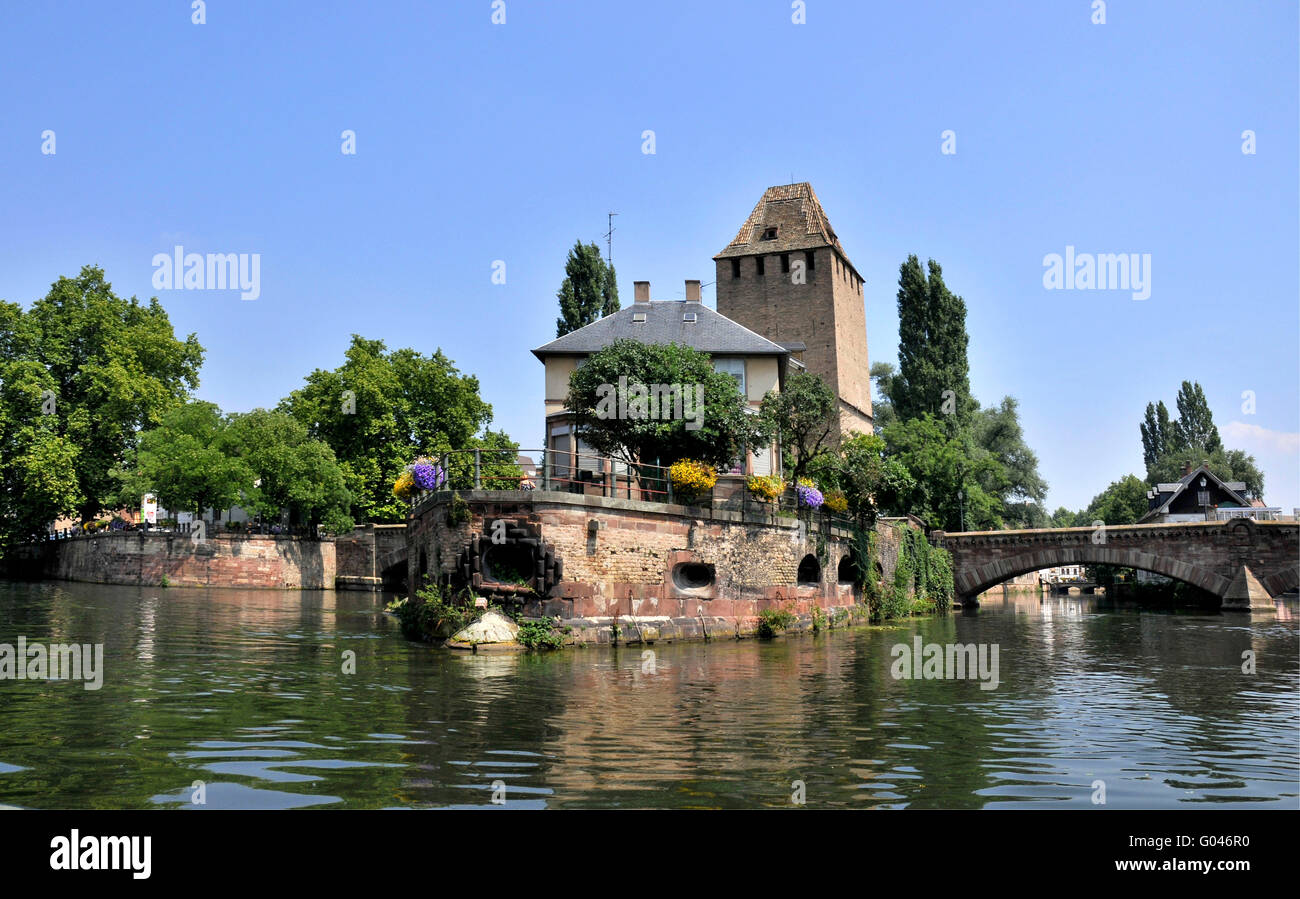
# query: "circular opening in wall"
[693,575]
[848,571]
[810,570]
[509,563]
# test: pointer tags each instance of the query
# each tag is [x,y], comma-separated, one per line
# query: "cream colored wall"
[558,369]
[761,375]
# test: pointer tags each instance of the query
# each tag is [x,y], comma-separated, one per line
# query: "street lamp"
[961,497]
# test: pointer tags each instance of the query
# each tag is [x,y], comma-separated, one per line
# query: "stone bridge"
[1245,563]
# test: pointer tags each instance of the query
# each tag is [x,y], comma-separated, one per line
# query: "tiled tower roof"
[796,214]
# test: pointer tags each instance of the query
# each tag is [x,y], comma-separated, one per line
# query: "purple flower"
[428,477]
[809,496]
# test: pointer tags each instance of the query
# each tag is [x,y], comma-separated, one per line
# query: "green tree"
[381,409]
[291,471]
[1122,502]
[1157,433]
[873,483]
[934,373]
[804,416]
[185,461]
[1064,518]
[116,368]
[38,466]
[1227,465]
[997,431]
[882,401]
[589,290]
[1195,428]
[718,433]
[951,475]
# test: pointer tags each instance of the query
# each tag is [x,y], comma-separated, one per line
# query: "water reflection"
[245,692]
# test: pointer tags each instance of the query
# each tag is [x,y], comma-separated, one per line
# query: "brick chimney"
[692,291]
[641,291]
[1188,467]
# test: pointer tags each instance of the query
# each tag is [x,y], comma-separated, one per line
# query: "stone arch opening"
[970,582]
[509,563]
[693,576]
[847,572]
[810,571]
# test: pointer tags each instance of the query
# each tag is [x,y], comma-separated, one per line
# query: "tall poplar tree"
[1157,433]
[589,290]
[934,373]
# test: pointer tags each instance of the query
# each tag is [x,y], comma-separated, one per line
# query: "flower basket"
[691,479]
[765,488]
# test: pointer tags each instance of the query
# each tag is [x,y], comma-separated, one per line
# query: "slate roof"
[797,215]
[1163,500]
[710,332]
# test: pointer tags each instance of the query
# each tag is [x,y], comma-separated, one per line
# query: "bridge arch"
[971,582]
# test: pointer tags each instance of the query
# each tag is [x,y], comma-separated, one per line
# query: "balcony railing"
[592,474]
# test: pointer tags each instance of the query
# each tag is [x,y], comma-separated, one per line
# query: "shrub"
[431,614]
[765,488]
[457,511]
[837,502]
[818,619]
[772,621]
[539,634]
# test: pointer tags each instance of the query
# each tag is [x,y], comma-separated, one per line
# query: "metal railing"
[592,474]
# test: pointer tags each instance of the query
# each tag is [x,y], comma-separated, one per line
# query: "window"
[735,268]
[733,367]
[769,234]
[785,262]
[638,318]
[689,317]
[809,259]
[758,260]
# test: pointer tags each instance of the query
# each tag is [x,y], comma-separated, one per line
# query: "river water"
[247,692]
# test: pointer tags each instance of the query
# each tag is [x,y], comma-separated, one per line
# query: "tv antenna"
[609,241]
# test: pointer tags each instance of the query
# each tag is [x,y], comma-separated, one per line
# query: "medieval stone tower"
[786,277]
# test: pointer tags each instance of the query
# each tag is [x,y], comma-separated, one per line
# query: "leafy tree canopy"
[114,367]
[804,416]
[613,421]
[379,410]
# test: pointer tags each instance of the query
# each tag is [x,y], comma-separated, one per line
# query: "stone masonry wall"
[619,556]
[137,557]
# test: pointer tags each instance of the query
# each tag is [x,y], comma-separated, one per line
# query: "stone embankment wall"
[676,570]
[139,557]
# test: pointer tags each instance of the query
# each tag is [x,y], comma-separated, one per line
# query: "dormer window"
[769,234]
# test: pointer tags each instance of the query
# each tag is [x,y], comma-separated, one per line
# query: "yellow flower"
[691,478]
[404,486]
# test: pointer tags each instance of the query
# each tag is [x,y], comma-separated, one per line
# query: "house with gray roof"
[758,364]
[1200,495]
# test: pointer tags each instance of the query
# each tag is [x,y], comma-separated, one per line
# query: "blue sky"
[479,142]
